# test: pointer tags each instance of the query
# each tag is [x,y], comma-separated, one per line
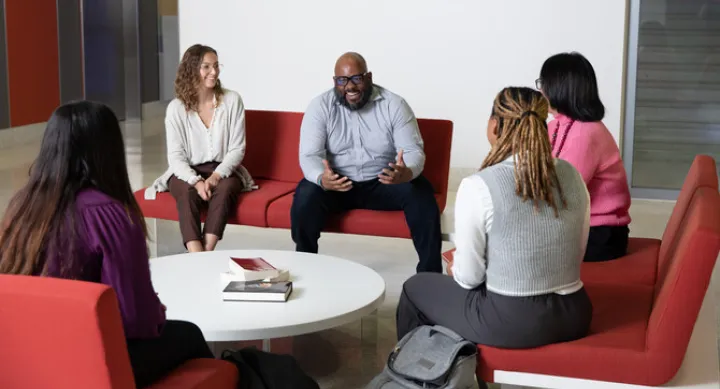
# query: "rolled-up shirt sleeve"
[313,139]
[407,137]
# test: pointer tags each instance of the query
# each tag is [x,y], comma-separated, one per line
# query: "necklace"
[562,140]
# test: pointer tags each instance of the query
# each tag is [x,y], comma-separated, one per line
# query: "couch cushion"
[250,210]
[273,140]
[615,345]
[639,266]
[201,374]
[358,221]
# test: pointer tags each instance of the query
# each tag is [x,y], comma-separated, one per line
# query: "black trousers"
[153,359]
[491,319]
[312,204]
[606,243]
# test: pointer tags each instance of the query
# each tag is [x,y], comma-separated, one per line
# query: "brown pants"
[189,204]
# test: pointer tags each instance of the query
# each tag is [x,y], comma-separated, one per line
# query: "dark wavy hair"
[82,148]
[188,76]
[568,81]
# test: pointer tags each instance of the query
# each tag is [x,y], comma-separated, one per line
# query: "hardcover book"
[249,269]
[257,291]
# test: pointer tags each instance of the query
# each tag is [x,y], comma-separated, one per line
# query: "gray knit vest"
[533,252]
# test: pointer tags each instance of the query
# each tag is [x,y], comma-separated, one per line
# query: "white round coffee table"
[327,292]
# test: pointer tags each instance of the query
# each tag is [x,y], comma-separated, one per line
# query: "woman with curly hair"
[205,130]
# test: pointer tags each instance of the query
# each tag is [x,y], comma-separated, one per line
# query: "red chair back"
[702,173]
[683,281]
[437,137]
[61,334]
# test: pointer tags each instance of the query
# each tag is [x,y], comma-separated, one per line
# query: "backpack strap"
[447,332]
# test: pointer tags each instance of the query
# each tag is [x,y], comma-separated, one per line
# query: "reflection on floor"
[339,358]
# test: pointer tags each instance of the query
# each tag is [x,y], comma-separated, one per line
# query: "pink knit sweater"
[590,147]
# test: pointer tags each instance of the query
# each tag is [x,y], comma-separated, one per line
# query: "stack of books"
[254,279]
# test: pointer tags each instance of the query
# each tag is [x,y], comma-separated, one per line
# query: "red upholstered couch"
[272,159]
[64,334]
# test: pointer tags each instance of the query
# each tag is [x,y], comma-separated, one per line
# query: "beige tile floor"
[338,358]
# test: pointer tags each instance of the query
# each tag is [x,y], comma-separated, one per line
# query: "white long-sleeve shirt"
[190,143]
[473,221]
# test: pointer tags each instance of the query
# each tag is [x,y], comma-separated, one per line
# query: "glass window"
[677,91]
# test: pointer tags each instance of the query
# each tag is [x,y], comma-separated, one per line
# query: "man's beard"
[367,93]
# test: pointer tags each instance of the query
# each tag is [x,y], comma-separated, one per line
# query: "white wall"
[448,58]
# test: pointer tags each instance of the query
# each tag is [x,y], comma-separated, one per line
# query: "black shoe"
[481,384]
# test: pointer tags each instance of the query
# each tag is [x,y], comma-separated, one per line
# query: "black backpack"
[262,370]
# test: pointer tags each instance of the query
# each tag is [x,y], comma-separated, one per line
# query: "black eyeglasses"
[356,79]
[538,83]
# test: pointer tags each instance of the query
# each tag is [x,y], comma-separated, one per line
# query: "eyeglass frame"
[538,84]
[352,78]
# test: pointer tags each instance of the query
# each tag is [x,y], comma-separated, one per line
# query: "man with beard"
[360,148]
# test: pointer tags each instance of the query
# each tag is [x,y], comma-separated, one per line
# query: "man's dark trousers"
[312,204]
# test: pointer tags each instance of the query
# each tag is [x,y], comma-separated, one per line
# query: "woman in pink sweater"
[578,136]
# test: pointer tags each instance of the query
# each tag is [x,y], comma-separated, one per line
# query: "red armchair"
[647,257]
[640,334]
[64,334]
[648,326]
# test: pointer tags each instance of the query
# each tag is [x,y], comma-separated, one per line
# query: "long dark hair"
[522,131]
[82,147]
[568,81]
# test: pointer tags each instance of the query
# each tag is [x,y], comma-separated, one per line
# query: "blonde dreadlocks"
[522,132]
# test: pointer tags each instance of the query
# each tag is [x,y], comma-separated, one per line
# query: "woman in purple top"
[76,218]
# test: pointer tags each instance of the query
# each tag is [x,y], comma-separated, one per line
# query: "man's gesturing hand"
[332,181]
[399,173]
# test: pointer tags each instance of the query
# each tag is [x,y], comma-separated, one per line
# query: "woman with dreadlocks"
[521,226]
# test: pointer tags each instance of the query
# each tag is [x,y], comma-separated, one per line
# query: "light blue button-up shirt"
[359,144]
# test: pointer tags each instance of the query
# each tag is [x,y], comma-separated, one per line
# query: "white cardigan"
[190,143]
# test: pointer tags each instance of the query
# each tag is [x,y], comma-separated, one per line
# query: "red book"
[448,256]
[253,264]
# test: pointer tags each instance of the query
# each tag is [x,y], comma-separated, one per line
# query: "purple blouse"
[110,248]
